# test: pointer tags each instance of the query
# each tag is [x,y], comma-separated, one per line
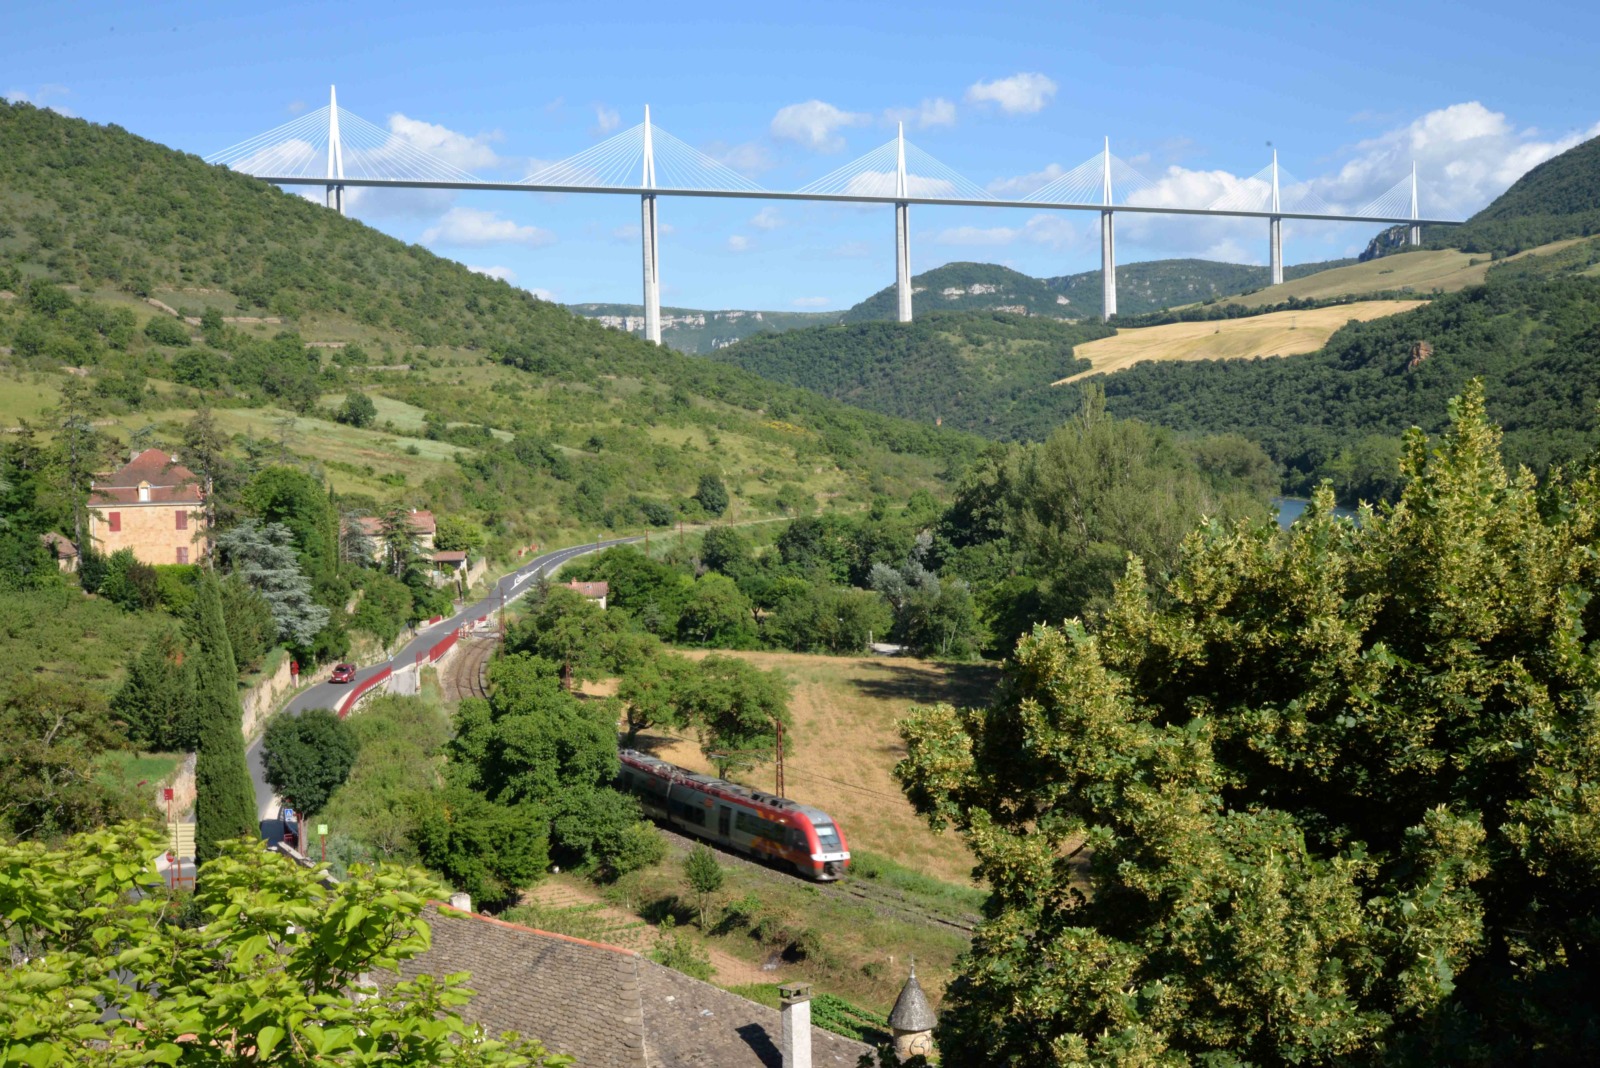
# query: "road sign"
[322,829]
[166,793]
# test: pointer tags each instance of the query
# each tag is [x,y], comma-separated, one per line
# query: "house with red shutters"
[152,505]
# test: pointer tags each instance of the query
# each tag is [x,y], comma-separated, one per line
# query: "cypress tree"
[226,806]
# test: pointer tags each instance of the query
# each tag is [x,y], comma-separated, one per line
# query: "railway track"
[468,674]
[885,899]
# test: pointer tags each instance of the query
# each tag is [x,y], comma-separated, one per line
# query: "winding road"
[328,694]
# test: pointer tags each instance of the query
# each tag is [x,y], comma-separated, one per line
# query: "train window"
[827,837]
[759,828]
[627,780]
[688,812]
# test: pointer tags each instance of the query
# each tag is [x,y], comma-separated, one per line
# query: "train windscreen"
[827,837]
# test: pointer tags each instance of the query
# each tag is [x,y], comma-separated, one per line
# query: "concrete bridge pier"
[902,233]
[1276,240]
[1108,266]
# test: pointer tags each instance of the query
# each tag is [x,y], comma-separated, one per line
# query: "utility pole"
[1108,244]
[648,230]
[902,232]
[335,154]
[1276,228]
[779,763]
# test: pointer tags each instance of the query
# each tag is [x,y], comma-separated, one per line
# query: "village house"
[153,506]
[594,591]
[423,526]
[61,547]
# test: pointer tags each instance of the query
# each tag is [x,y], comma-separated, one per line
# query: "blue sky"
[1007,94]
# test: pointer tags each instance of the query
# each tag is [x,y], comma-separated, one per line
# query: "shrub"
[678,953]
[165,331]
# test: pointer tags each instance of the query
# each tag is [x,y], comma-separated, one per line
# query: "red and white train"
[780,831]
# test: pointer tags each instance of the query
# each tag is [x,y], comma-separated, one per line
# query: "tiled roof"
[591,589]
[607,1007]
[423,521]
[170,482]
[450,556]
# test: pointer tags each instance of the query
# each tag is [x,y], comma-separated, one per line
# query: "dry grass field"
[1424,272]
[842,752]
[1285,333]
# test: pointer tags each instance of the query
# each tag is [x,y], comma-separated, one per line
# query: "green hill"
[1558,199]
[490,401]
[966,287]
[987,372]
[701,332]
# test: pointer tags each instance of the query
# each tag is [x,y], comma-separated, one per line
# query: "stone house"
[152,505]
[61,547]
[423,525]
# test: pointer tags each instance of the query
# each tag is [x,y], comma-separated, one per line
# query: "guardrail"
[361,689]
[441,647]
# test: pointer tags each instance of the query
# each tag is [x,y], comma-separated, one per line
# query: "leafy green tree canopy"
[276,969]
[307,757]
[1329,799]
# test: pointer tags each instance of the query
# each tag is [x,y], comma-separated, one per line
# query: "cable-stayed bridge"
[337,149]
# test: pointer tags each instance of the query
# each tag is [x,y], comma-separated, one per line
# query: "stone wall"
[183,791]
[262,699]
[150,530]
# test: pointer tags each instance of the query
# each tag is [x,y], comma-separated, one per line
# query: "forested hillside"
[1155,284]
[987,372]
[1532,333]
[966,287]
[486,398]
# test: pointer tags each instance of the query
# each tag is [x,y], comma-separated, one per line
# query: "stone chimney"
[911,1021]
[795,1037]
[461,901]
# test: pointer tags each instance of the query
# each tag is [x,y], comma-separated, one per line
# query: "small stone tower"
[912,1020]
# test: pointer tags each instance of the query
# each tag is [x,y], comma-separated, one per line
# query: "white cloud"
[542,294]
[1020,94]
[472,228]
[1050,229]
[740,243]
[43,96]
[815,124]
[504,274]
[977,235]
[365,202]
[811,302]
[605,119]
[936,111]
[882,184]
[1023,184]
[767,219]
[750,157]
[1466,155]
[468,152]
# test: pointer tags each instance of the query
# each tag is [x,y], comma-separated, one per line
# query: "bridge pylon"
[1415,233]
[1108,243]
[1275,228]
[650,236]
[902,232]
[335,154]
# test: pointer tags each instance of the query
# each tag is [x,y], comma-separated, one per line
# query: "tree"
[657,692]
[384,607]
[129,583]
[283,969]
[1327,799]
[704,876]
[399,541]
[51,735]
[252,629]
[490,850]
[828,619]
[725,549]
[712,495]
[358,410]
[457,533]
[737,709]
[356,546]
[226,805]
[204,452]
[717,613]
[289,496]
[156,698]
[572,631]
[307,757]
[262,554]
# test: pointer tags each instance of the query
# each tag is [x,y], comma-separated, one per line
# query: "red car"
[343,673]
